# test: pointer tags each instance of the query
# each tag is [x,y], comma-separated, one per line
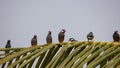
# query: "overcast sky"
[21,19]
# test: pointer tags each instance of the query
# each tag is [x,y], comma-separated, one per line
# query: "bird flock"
[61,36]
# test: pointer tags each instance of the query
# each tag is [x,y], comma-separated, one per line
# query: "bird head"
[116,32]
[8,41]
[71,39]
[49,32]
[91,32]
[63,30]
[35,36]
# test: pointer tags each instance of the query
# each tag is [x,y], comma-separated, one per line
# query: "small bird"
[49,38]
[90,36]
[61,35]
[8,45]
[116,36]
[72,40]
[34,40]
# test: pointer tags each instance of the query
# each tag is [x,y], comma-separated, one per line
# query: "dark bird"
[72,40]
[116,36]
[61,35]
[8,45]
[49,38]
[34,40]
[90,36]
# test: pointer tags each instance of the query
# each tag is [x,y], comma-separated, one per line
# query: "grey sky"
[20,20]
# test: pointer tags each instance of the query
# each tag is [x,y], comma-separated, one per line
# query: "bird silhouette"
[72,40]
[8,45]
[116,37]
[34,41]
[61,35]
[49,38]
[90,36]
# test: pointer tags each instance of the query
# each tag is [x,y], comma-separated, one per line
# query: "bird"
[49,38]
[61,35]
[90,36]
[72,40]
[116,37]
[34,41]
[8,45]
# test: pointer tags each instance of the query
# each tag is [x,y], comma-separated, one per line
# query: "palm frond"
[63,55]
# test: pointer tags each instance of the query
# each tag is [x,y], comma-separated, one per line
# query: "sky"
[20,20]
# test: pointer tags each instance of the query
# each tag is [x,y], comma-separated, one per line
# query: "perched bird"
[8,45]
[49,38]
[34,40]
[116,36]
[90,36]
[61,35]
[72,40]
